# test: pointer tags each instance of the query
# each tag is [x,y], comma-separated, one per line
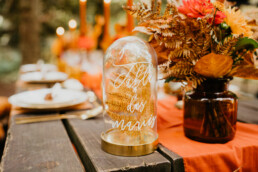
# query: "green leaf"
[224,31]
[224,26]
[246,43]
[170,79]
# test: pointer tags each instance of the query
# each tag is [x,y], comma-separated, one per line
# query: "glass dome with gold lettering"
[129,98]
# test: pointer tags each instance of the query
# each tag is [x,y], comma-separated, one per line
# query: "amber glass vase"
[210,112]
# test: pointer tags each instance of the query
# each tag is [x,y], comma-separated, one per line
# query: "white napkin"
[55,90]
[73,84]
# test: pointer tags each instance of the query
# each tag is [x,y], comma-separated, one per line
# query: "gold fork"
[86,115]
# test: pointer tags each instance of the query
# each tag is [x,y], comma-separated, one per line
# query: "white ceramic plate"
[36,99]
[39,77]
[37,67]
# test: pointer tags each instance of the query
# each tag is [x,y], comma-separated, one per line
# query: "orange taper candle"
[83,24]
[106,17]
[130,21]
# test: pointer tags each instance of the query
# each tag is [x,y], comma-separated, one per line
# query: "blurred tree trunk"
[29,30]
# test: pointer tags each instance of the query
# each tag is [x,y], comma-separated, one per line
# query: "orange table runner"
[239,154]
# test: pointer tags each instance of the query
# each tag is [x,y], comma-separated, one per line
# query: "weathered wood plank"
[175,159]
[86,137]
[39,147]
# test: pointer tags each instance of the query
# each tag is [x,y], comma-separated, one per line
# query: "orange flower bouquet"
[203,44]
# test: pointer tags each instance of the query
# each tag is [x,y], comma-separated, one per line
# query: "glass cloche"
[130,98]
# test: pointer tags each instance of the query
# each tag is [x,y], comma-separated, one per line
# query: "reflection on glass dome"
[129,93]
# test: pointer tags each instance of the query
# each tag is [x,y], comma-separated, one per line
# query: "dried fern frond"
[180,42]
[244,71]
[179,69]
[227,46]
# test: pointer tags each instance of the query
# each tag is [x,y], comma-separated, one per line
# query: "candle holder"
[129,98]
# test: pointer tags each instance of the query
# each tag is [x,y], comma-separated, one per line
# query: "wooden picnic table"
[75,145]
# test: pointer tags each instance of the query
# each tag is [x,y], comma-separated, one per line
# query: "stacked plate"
[37,67]
[43,77]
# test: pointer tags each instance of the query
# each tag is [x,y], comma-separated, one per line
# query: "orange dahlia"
[200,9]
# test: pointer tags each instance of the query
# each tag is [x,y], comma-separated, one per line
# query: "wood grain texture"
[176,160]
[39,147]
[86,137]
